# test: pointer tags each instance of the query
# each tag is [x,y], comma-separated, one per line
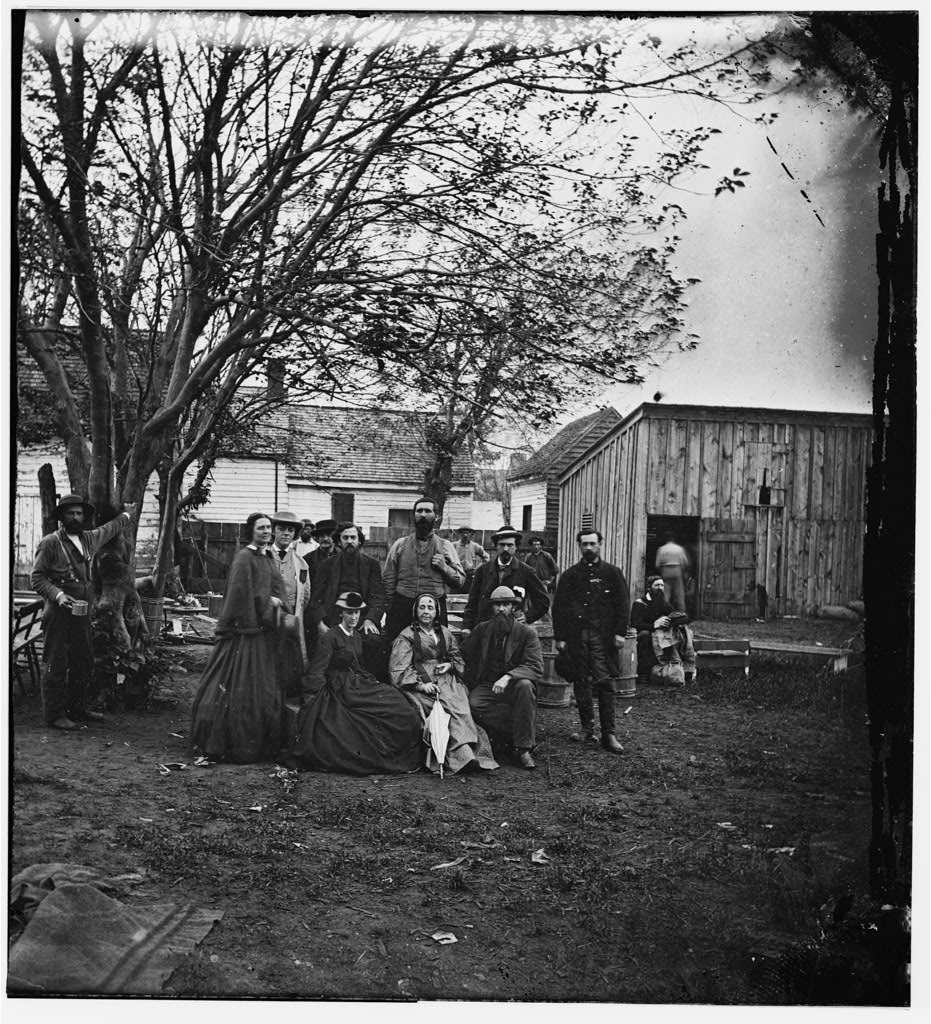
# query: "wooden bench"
[717,653]
[27,631]
[837,657]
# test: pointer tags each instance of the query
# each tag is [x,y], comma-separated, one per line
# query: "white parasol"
[437,726]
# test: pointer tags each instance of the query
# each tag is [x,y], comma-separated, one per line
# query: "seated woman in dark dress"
[237,713]
[352,722]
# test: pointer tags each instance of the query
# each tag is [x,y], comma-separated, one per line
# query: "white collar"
[348,632]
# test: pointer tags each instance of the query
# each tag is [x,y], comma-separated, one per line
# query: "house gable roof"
[565,447]
[379,446]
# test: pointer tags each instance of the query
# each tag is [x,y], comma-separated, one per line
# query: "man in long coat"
[295,579]
[507,570]
[504,662]
[591,612]
[62,574]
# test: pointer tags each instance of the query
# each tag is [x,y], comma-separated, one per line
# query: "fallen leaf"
[727,825]
[444,938]
[539,857]
[627,711]
[257,807]
[449,863]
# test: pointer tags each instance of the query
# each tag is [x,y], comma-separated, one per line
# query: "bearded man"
[62,574]
[504,662]
[420,563]
[507,570]
[591,612]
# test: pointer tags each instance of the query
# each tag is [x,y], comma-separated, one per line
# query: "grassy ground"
[701,866]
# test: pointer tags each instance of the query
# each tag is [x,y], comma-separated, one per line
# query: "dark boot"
[586,706]
[606,712]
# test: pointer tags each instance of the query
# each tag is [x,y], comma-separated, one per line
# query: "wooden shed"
[769,503]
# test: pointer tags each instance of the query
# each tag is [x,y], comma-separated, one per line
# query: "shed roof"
[564,448]
[749,414]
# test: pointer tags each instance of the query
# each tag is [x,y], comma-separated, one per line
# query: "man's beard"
[502,621]
[423,528]
[350,554]
[590,556]
[73,528]
[505,557]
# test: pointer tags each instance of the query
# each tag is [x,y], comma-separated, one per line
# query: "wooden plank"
[816,474]
[676,482]
[692,505]
[740,492]
[726,471]
[659,431]
[829,477]
[801,477]
[730,535]
[711,442]
[638,507]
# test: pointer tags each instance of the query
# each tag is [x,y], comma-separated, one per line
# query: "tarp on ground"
[81,941]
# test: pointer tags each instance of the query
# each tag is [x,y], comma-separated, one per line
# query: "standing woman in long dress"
[351,721]
[426,662]
[237,713]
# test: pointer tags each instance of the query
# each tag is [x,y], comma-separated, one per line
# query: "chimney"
[274,371]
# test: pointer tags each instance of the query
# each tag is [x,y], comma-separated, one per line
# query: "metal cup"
[79,608]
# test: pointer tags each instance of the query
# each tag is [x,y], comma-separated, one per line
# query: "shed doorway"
[686,530]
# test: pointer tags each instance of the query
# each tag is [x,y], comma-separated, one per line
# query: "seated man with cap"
[504,661]
[62,574]
[507,570]
[294,576]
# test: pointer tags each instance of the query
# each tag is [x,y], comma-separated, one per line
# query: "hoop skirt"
[353,723]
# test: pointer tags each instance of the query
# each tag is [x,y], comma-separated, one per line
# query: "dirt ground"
[701,866]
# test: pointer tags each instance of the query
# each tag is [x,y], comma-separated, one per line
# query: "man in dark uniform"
[507,570]
[591,612]
[62,575]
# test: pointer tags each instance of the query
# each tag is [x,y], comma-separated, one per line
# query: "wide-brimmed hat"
[72,501]
[326,526]
[351,600]
[287,518]
[504,594]
[506,533]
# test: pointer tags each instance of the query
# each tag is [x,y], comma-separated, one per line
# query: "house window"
[527,518]
[401,517]
[342,506]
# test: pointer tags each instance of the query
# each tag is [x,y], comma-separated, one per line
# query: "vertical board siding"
[533,493]
[695,464]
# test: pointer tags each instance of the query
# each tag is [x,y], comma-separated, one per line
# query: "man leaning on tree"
[62,574]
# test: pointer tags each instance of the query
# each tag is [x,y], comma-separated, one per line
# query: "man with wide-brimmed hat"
[506,570]
[62,574]
[295,576]
[591,612]
[504,662]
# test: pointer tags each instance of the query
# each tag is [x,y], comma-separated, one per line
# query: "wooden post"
[48,498]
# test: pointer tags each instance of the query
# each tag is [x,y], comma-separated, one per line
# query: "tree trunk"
[48,498]
[889,556]
[438,479]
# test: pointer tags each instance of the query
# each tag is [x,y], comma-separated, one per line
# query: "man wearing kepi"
[62,575]
[420,563]
[504,661]
[591,612]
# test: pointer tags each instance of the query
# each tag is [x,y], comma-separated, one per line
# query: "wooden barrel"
[552,691]
[152,612]
[214,604]
[627,684]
